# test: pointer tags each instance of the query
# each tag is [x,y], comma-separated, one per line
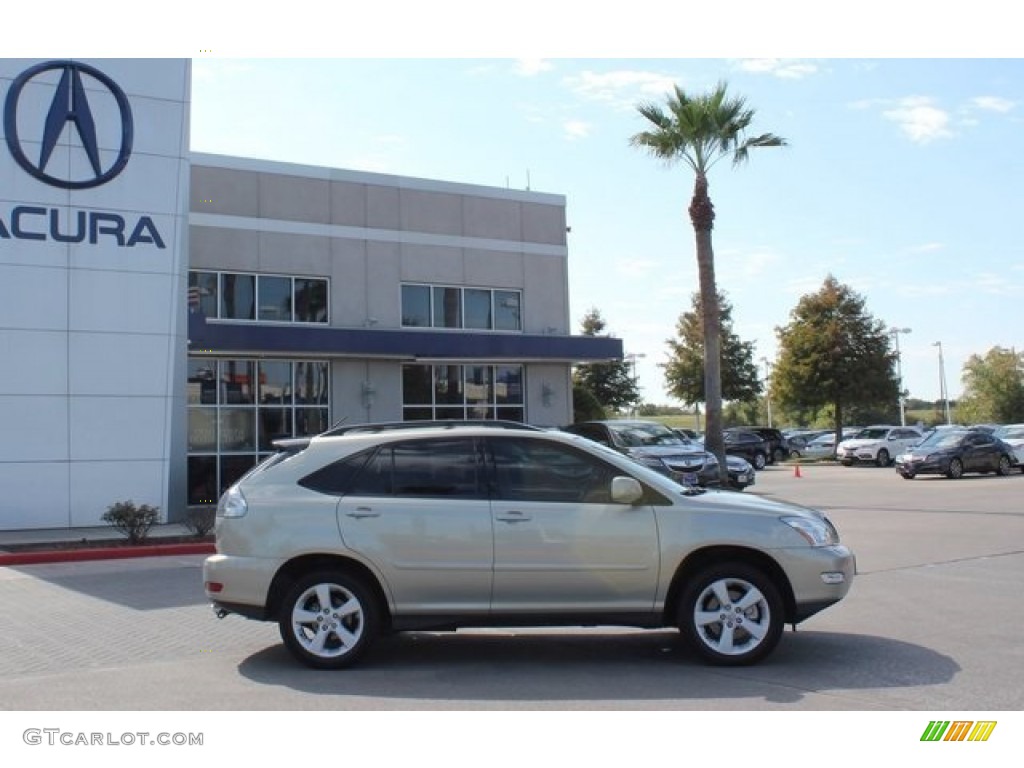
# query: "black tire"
[1004,466]
[760,461]
[956,469]
[882,459]
[329,638]
[716,631]
[778,455]
[907,475]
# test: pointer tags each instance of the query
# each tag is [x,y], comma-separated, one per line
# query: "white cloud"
[993,103]
[532,67]
[576,129]
[920,119]
[789,69]
[621,88]
[994,283]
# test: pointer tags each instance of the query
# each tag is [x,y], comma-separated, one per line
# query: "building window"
[237,297]
[426,306]
[275,298]
[463,392]
[259,298]
[238,407]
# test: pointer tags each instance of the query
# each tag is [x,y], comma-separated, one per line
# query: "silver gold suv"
[464,525]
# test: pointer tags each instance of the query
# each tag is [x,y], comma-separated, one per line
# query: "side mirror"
[626,490]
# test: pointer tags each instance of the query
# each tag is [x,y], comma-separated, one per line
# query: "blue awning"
[226,338]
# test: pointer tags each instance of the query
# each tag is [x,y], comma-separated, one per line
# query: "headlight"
[818,532]
[232,503]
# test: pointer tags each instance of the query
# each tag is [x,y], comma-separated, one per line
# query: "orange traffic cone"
[796,471]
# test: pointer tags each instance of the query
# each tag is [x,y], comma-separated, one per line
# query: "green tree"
[684,372]
[611,384]
[699,131]
[584,405]
[993,388]
[834,356]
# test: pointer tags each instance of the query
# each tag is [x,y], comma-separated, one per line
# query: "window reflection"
[238,408]
[463,392]
[275,295]
[238,297]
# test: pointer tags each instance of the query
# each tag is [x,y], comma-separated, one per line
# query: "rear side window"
[436,468]
[335,479]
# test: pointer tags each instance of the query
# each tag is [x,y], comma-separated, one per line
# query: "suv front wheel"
[731,614]
[328,619]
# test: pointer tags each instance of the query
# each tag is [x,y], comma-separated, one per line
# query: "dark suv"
[778,446]
[750,445]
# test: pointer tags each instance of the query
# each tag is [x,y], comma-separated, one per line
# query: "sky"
[901,176]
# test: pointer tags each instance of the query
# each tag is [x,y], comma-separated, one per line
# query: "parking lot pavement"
[931,624]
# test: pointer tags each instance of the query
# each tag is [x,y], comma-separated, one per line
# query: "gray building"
[166,315]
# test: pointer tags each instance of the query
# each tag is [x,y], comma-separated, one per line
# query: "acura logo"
[70,104]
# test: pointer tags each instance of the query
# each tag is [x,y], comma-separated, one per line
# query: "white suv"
[877,445]
[441,527]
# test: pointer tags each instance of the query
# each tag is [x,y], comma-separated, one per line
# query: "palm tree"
[700,131]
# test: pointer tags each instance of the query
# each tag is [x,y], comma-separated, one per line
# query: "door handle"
[513,517]
[360,512]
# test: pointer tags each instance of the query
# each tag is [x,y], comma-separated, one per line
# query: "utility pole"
[942,381]
[899,371]
[767,388]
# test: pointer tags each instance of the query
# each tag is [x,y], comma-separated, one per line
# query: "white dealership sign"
[94,184]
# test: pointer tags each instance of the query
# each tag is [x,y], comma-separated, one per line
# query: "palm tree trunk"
[702,215]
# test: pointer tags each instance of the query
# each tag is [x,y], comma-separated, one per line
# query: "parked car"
[821,447]
[748,445]
[777,444]
[824,446]
[1013,435]
[797,440]
[439,528]
[952,452]
[877,445]
[659,447]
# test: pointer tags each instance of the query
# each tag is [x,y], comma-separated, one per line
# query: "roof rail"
[388,426]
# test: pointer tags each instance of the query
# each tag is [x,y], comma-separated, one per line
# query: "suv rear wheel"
[328,619]
[731,614]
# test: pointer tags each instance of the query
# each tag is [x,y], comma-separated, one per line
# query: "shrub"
[200,521]
[134,521]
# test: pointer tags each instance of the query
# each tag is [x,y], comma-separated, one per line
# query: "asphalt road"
[933,622]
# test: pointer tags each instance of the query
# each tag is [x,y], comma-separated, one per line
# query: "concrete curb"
[103,553]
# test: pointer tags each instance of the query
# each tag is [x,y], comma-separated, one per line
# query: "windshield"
[636,435]
[944,438]
[872,433]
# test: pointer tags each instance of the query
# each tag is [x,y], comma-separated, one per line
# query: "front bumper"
[820,577]
[938,465]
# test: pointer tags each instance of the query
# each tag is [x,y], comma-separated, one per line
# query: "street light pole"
[767,390]
[942,381]
[899,372]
